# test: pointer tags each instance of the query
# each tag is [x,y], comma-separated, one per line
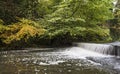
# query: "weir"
[116,47]
[108,48]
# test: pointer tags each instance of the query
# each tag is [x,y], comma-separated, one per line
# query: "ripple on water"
[72,60]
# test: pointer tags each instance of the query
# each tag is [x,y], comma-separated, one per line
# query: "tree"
[31,9]
[7,11]
[115,23]
[82,12]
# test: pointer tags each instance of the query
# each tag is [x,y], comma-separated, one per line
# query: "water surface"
[71,60]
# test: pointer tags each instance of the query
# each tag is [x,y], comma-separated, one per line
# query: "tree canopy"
[87,12]
[62,21]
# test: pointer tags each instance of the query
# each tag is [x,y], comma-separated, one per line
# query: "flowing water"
[109,48]
[70,60]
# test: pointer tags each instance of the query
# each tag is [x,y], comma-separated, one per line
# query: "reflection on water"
[71,60]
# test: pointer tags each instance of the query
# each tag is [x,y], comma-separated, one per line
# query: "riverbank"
[32,47]
[35,47]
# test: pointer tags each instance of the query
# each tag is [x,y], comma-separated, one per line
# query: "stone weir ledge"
[105,48]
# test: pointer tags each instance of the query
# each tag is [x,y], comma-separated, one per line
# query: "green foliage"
[30,9]
[81,12]
[115,23]
[60,21]
[115,33]
[62,34]
[8,11]
[78,20]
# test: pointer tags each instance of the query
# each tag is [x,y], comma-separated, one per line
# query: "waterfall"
[116,47]
[108,49]
[78,52]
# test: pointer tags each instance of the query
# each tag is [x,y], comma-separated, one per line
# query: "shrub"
[21,31]
[60,35]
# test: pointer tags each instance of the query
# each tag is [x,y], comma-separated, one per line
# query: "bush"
[21,32]
[92,34]
[64,35]
[115,33]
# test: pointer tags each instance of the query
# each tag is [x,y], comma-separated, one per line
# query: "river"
[68,60]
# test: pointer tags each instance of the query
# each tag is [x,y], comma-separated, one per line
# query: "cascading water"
[77,52]
[108,49]
[116,47]
[95,57]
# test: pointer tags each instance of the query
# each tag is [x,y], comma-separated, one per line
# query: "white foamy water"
[93,57]
[100,48]
[51,63]
[77,52]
